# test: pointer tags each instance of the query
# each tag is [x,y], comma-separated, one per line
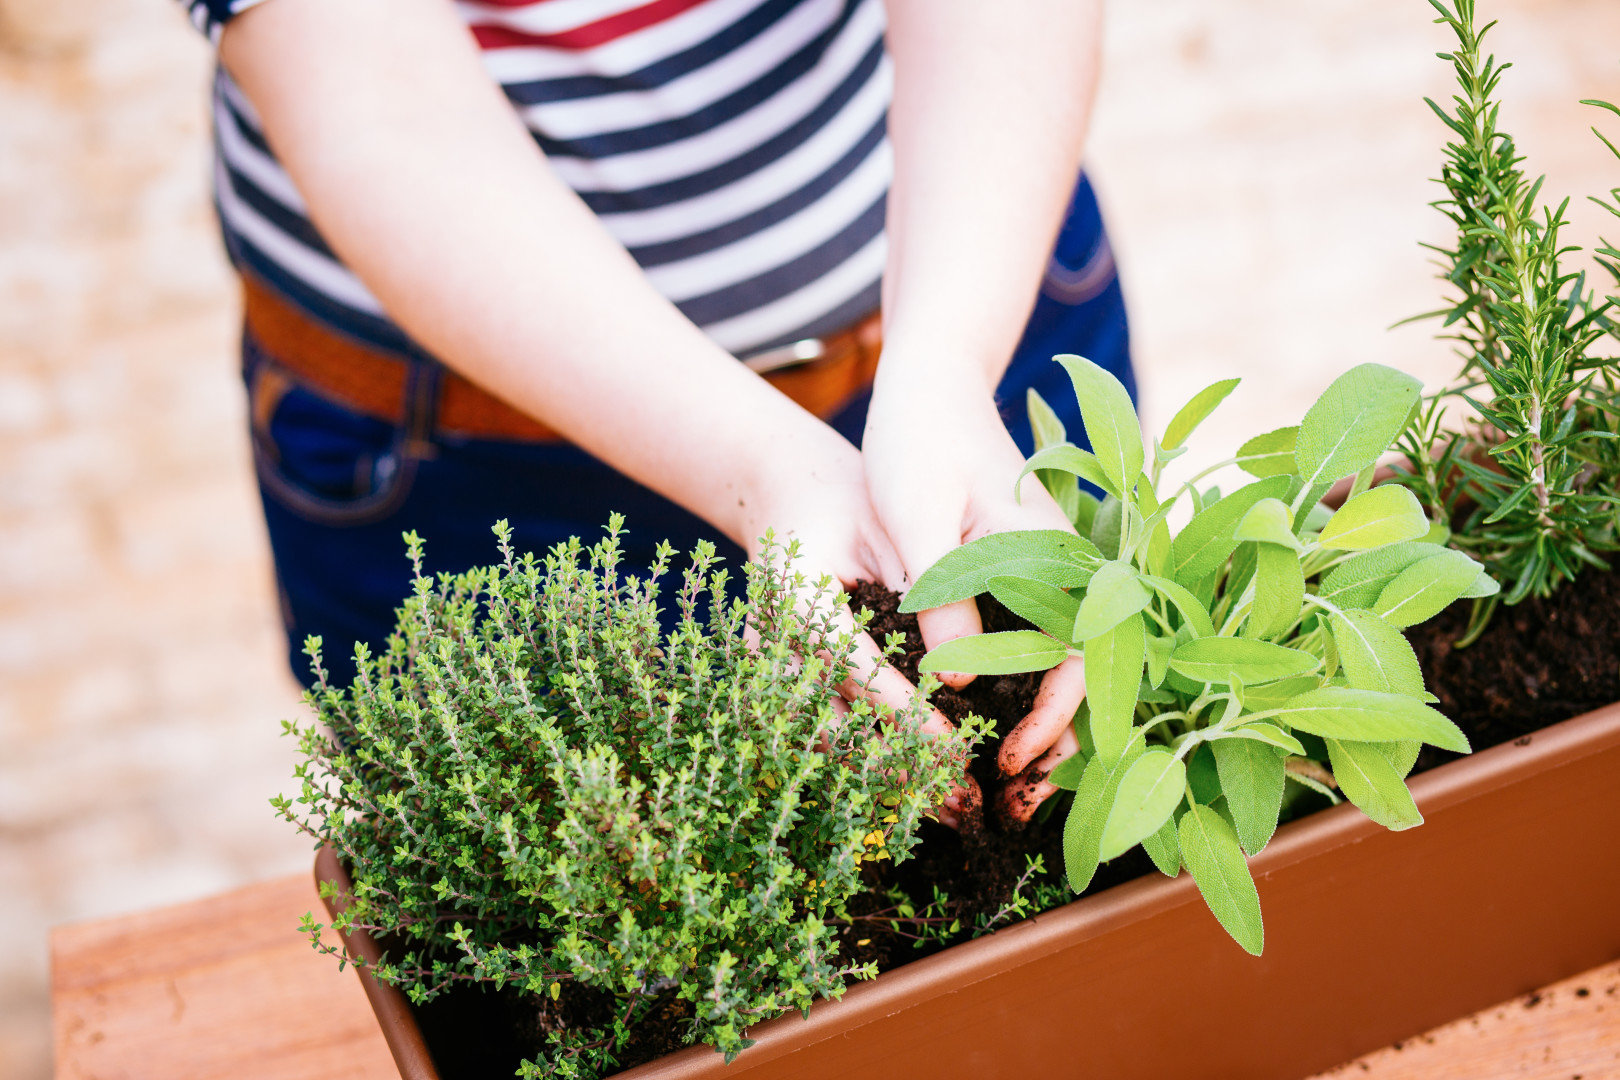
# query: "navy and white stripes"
[736,148]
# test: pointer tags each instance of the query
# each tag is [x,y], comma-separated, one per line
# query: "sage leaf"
[1158,661]
[1375,655]
[1046,606]
[1148,793]
[1068,772]
[1093,799]
[1208,539]
[1271,695]
[1484,585]
[1065,458]
[1110,419]
[1279,592]
[1116,593]
[1084,516]
[1006,653]
[1384,515]
[1402,755]
[1270,522]
[1356,582]
[1353,422]
[1271,454]
[1427,588]
[1369,780]
[1252,779]
[1209,848]
[1164,848]
[1203,778]
[1193,614]
[1339,712]
[1217,659]
[1108,526]
[1044,423]
[1196,411]
[1262,732]
[1052,556]
[1113,675]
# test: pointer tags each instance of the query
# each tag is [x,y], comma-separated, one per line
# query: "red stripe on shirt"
[588,36]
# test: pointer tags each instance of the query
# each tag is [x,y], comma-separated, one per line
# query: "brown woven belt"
[821,374]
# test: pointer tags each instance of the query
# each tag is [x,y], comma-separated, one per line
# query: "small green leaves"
[1270,734]
[1148,792]
[1338,712]
[1252,778]
[1110,419]
[1210,850]
[1067,458]
[1271,454]
[1384,515]
[1268,521]
[1052,556]
[1113,676]
[1353,422]
[1082,829]
[1006,653]
[1116,592]
[1356,582]
[1279,592]
[1196,411]
[1208,539]
[1217,659]
[1048,607]
[1369,779]
[1192,611]
[1427,588]
[1375,655]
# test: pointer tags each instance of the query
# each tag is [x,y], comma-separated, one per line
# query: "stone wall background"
[1264,164]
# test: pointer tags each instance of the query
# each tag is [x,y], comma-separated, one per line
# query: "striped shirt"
[736,148]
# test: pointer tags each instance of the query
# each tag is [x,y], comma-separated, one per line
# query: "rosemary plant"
[1535,478]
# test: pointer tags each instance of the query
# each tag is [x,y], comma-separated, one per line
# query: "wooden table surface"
[227,988]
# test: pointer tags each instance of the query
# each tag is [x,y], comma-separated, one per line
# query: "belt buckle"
[784,356]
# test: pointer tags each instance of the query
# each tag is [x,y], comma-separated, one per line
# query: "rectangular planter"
[1512,882]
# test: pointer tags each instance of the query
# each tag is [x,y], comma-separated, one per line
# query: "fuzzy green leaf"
[1068,772]
[1353,422]
[1270,734]
[1252,779]
[1066,458]
[1208,539]
[1196,411]
[1115,594]
[1427,588]
[1279,591]
[1052,556]
[1218,659]
[1268,522]
[1158,659]
[1384,515]
[1164,848]
[1043,421]
[1369,780]
[1107,526]
[1209,848]
[1148,793]
[1093,799]
[1271,695]
[1049,608]
[1484,585]
[1006,653]
[1356,582]
[1271,454]
[1110,419]
[1375,655]
[1402,755]
[1113,676]
[1192,611]
[1338,712]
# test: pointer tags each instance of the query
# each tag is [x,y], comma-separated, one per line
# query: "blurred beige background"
[1264,164]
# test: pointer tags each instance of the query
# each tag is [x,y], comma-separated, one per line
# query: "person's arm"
[420,175]
[991,104]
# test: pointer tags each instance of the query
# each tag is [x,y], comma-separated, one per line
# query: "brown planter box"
[1513,882]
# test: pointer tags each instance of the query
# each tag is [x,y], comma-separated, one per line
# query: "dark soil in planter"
[1537,663]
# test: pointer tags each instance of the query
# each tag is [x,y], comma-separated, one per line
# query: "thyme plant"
[532,785]
[1537,482]
[1257,645]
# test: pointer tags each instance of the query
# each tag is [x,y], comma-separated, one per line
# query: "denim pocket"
[319,460]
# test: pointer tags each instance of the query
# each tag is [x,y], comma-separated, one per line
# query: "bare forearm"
[990,111]
[420,175]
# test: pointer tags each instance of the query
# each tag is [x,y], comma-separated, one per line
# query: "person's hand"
[940,467]
[811,488]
